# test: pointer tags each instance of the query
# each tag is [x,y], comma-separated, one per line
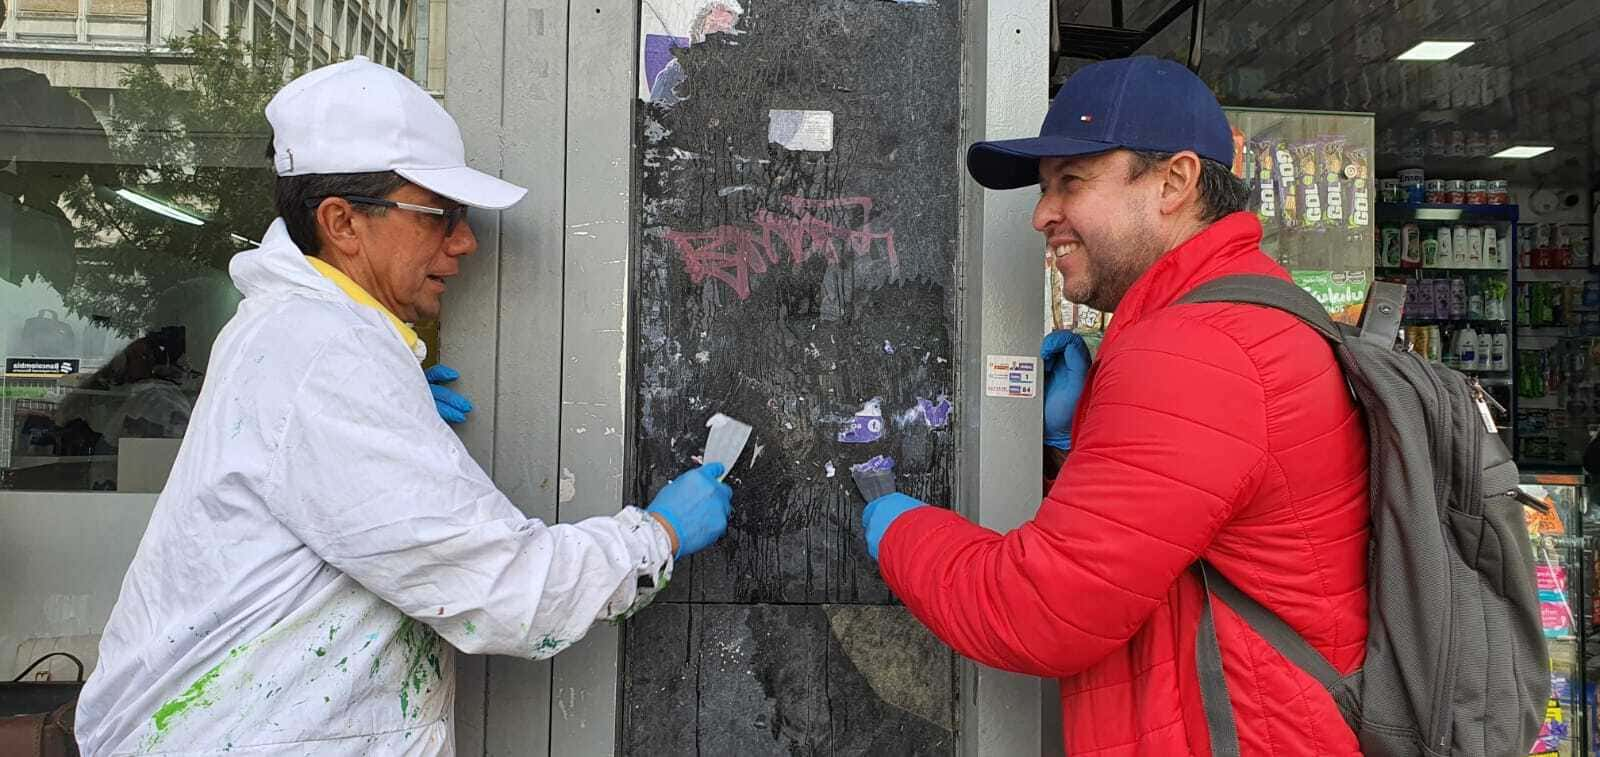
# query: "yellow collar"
[355,292]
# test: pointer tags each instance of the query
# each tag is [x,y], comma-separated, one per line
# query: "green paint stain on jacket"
[471,628]
[422,655]
[195,695]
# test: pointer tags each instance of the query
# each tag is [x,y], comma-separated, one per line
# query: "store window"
[1481,122]
[1477,147]
[127,182]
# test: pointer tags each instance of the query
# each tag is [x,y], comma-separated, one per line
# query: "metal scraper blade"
[725,442]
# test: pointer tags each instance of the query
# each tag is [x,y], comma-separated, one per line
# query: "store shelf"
[1437,269]
[1559,332]
[1389,211]
[1474,321]
[1554,274]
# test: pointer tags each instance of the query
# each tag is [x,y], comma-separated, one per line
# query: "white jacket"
[321,531]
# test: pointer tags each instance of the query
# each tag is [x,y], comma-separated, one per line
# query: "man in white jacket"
[325,543]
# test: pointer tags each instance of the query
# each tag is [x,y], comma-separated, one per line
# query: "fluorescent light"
[1523,152]
[1435,50]
[159,208]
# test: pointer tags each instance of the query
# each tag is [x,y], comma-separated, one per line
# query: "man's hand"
[452,406]
[694,509]
[880,513]
[1066,368]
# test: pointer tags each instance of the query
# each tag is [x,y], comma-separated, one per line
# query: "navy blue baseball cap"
[1142,103]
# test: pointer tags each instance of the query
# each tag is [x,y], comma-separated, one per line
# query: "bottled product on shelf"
[1411,186]
[1478,247]
[1553,245]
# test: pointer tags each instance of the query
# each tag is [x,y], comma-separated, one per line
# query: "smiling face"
[1101,229]
[402,258]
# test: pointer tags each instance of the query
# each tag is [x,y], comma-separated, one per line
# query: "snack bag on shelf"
[1266,182]
[1358,168]
[1305,156]
[1288,186]
[1333,182]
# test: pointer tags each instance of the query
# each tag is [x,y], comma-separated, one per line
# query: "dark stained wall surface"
[809,292]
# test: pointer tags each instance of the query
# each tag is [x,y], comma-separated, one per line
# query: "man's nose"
[1046,214]
[462,240]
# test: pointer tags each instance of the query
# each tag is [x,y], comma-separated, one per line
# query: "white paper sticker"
[1012,376]
[810,130]
[725,442]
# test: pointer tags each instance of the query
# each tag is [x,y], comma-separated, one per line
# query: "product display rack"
[1558,379]
[1565,570]
[1498,382]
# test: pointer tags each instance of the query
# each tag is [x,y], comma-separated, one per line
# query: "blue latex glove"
[1066,368]
[696,505]
[880,513]
[452,406]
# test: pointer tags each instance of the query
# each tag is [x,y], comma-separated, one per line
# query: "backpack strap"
[1214,696]
[1380,323]
[1380,317]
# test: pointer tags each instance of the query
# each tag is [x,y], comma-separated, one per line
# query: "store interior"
[1481,193]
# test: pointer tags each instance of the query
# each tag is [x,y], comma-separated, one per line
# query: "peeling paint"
[567,487]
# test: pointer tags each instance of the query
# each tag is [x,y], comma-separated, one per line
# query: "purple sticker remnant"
[658,53]
[877,463]
[866,427]
[938,416]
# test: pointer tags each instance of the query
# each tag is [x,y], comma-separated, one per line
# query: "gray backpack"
[1456,662]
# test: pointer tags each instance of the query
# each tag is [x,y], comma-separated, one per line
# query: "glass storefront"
[1484,164]
[1480,182]
[131,169]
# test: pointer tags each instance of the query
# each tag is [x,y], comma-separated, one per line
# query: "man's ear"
[337,222]
[1180,182]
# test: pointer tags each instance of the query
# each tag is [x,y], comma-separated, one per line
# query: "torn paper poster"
[867,425]
[877,463]
[668,24]
[874,478]
[937,416]
[807,130]
[725,442]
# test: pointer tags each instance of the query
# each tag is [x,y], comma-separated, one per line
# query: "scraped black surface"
[814,340]
[783,639]
[786,680]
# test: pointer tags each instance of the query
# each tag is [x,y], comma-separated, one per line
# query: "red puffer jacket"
[1216,430]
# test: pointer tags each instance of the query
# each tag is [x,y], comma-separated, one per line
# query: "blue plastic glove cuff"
[696,505]
[882,513]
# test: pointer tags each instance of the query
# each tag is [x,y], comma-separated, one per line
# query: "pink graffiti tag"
[730,254]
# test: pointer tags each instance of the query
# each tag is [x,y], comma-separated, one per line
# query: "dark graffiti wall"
[797,249]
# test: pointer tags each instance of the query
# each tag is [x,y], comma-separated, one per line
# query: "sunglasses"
[452,216]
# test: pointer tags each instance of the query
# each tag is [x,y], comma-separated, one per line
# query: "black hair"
[290,193]
[1221,193]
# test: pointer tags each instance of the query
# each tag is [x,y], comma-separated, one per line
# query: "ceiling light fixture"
[158,207]
[1523,152]
[1435,50]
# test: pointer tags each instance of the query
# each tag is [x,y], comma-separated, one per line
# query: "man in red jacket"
[1220,431]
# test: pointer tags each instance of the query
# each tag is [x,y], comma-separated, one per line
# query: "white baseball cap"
[360,117]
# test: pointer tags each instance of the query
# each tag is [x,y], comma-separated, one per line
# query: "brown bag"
[46,734]
[41,735]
